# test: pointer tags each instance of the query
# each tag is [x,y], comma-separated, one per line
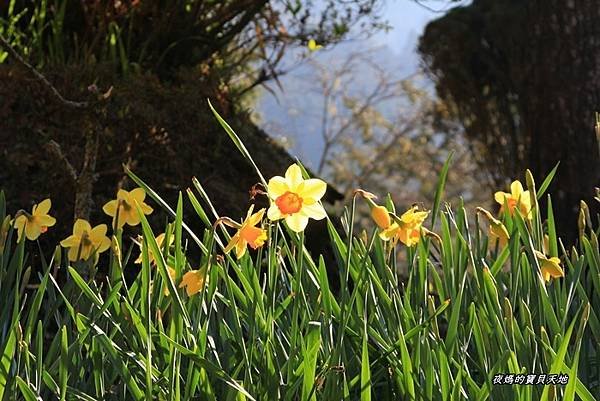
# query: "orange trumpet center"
[252,235]
[289,203]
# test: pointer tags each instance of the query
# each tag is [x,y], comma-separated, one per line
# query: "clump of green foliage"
[268,326]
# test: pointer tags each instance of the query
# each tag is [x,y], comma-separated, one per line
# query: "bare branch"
[69,103]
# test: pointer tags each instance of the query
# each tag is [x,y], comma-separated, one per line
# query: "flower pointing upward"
[295,199]
[407,228]
[517,198]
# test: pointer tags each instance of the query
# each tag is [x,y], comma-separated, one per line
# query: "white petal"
[315,211]
[297,222]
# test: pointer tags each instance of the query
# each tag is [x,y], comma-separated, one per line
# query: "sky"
[287,115]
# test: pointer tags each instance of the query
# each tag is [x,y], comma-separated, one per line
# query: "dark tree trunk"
[561,95]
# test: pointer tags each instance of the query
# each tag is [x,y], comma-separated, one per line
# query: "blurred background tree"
[162,59]
[385,134]
[523,77]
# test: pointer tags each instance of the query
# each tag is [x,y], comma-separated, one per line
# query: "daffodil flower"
[379,214]
[193,281]
[86,241]
[123,208]
[36,223]
[550,266]
[172,274]
[497,230]
[160,239]
[407,229]
[296,199]
[516,199]
[247,233]
[313,46]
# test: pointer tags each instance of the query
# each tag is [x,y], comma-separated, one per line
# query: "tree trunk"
[561,96]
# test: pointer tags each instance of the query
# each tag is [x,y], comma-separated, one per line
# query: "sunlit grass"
[269,326]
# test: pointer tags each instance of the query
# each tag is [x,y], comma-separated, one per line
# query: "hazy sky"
[289,114]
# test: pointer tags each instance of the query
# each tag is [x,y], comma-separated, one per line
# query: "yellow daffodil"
[35,223]
[296,199]
[123,208]
[193,281]
[159,241]
[550,266]
[381,216]
[313,46]
[408,227]
[172,274]
[516,199]
[86,241]
[248,234]
[497,230]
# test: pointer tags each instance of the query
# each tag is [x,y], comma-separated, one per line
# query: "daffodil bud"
[381,216]
[531,187]
[581,222]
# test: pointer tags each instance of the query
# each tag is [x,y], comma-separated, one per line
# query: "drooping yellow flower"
[550,266]
[123,208]
[408,229]
[159,241]
[193,281]
[497,230]
[172,274]
[248,234]
[35,223]
[516,199]
[381,216]
[296,199]
[86,241]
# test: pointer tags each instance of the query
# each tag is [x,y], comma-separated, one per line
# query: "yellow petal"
[110,208]
[240,248]
[315,211]
[20,223]
[81,226]
[98,233]
[45,220]
[145,208]
[516,189]
[232,243]
[500,196]
[43,207]
[312,190]
[193,281]
[274,213]
[277,186]
[381,217]
[122,195]
[256,217]
[138,194]
[70,241]
[293,176]
[390,232]
[132,218]
[297,222]
[103,245]
[32,231]
[73,252]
